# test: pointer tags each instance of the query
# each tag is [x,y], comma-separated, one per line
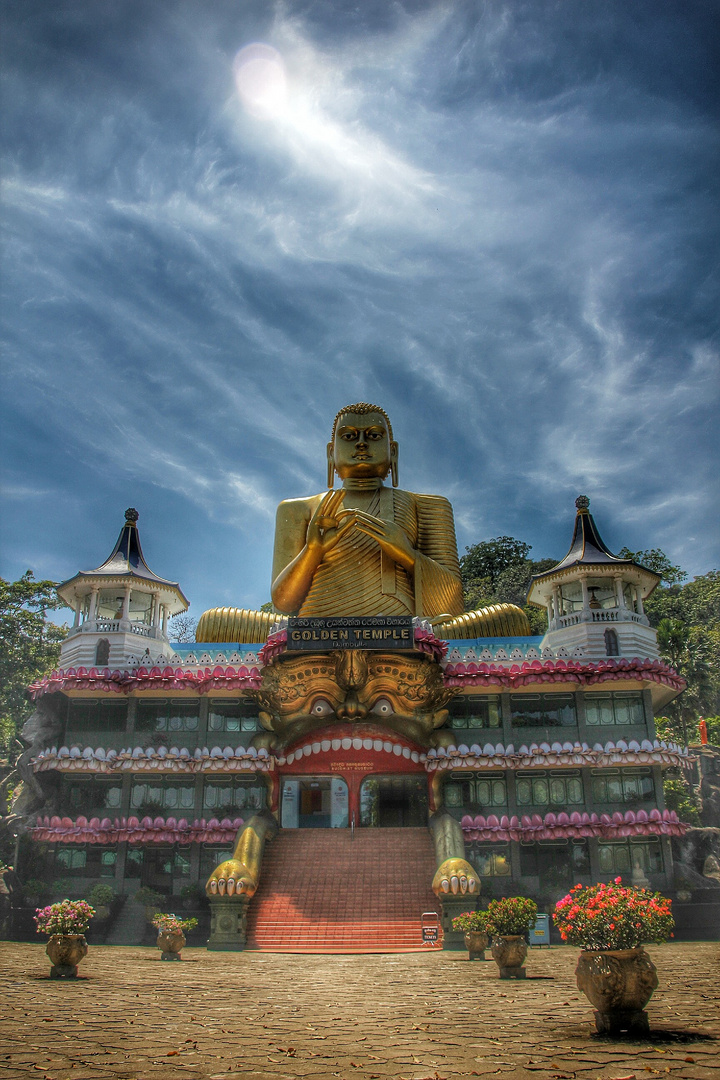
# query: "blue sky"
[498,220]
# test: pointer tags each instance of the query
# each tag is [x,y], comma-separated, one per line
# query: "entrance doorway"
[394,802]
[314,802]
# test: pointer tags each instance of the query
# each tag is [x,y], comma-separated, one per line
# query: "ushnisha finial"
[582,503]
[131,514]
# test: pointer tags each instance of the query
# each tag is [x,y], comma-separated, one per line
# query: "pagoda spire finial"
[131,515]
[583,504]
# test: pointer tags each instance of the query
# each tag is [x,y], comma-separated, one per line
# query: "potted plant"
[610,923]
[149,899]
[66,923]
[101,897]
[509,921]
[473,924]
[171,934]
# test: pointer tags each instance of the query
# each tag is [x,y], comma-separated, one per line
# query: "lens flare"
[260,80]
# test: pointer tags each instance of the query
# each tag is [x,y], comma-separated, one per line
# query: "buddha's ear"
[330,465]
[394,463]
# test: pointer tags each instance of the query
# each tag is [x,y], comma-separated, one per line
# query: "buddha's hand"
[391,538]
[231,878]
[328,523]
[455,877]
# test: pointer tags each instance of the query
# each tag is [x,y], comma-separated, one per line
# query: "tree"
[657,560]
[29,647]
[499,571]
[489,558]
[181,628]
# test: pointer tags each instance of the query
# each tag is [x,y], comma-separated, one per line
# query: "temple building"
[470,766]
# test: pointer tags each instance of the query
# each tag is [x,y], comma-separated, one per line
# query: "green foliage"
[101,895]
[713,729]
[657,560]
[35,887]
[679,797]
[29,647]
[511,915]
[489,558]
[148,897]
[470,922]
[499,571]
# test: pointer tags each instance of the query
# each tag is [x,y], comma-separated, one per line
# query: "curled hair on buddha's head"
[362,408]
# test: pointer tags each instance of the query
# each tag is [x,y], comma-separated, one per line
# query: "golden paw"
[230,878]
[455,877]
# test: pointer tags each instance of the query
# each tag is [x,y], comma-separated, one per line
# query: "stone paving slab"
[408,1016]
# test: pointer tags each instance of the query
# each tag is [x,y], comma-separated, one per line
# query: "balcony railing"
[595,615]
[117,626]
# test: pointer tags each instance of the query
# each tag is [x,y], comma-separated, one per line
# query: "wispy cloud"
[498,222]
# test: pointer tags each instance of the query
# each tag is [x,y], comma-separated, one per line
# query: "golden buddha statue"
[365,549]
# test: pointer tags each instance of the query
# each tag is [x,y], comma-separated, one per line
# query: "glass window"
[543,710]
[233,716]
[134,862]
[71,859]
[626,786]
[107,863]
[468,794]
[95,716]
[617,708]
[171,716]
[467,713]
[228,797]
[490,860]
[622,857]
[534,790]
[158,796]
[393,801]
[90,796]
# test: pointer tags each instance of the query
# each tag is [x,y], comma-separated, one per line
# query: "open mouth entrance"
[392,802]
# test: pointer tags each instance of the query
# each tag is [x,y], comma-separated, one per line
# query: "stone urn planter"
[65,952]
[619,983]
[476,942]
[509,952]
[170,944]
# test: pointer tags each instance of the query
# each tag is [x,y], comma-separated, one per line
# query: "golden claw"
[455,877]
[231,878]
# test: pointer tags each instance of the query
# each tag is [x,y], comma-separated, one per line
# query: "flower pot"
[476,942]
[509,952]
[170,945]
[619,983]
[66,951]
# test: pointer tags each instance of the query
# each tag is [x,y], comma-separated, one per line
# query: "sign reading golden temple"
[383,631]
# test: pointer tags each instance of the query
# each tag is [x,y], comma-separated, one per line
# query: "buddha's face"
[362,446]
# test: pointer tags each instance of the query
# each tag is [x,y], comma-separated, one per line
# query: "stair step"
[323,891]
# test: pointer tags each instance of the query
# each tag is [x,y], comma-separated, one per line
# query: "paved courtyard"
[415,1016]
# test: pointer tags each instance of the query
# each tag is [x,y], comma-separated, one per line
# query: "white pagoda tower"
[121,608]
[594,600]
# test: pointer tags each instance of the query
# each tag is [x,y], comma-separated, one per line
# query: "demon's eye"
[321,707]
[383,707]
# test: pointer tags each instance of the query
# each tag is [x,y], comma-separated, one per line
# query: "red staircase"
[323,891]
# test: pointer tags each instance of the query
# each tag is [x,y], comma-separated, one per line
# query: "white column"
[164,619]
[557,607]
[126,604]
[78,610]
[92,611]
[638,600]
[550,614]
[619,593]
[585,593]
[155,620]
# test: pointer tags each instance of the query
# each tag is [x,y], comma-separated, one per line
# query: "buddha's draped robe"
[357,578]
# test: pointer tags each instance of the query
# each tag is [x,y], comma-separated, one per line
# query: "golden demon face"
[401,693]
